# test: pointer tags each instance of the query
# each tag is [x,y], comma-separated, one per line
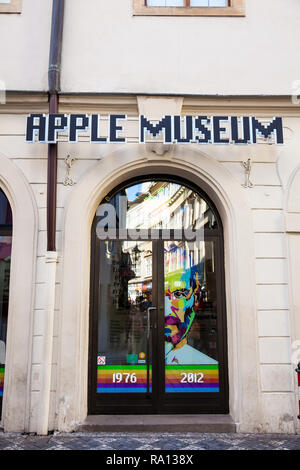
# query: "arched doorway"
[157,307]
[5,254]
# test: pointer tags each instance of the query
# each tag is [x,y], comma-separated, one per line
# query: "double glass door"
[157,324]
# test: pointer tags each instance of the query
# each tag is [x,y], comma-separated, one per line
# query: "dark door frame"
[5,230]
[214,403]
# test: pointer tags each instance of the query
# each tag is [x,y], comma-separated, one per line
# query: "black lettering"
[188,121]
[218,130]
[32,127]
[75,126]
[164,125]
[203,129]
[275,126]
[114,129]
[246,139]
[56,122]
[95,128]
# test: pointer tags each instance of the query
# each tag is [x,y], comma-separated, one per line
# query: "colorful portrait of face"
[182,300]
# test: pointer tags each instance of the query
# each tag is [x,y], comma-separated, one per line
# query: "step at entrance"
[158,423]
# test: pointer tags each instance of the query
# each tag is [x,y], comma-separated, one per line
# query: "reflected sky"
[132,192]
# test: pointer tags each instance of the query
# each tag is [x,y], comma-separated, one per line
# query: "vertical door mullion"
[154,324]
[160,323]
[93,337]
[221,321]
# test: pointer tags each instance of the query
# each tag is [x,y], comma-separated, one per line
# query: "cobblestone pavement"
[149,441]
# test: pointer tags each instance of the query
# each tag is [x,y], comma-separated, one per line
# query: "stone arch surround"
[16,399]
[232,204]
[292,218]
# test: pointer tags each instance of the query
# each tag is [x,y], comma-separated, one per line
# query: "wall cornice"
[23,102]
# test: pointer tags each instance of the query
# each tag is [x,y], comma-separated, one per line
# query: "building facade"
[181,121]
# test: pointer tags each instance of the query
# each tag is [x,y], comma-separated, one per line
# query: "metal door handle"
[148,347]
[148,319]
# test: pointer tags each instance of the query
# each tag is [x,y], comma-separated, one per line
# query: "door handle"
[148,319]
[149,309]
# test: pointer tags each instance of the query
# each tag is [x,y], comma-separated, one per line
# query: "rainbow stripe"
[192,378]
[1,380]
[131,378]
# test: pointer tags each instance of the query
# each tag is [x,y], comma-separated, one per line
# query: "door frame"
[140,404]
[5,230]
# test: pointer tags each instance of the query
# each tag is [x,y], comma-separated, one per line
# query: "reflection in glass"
[125,289]
[125,293]
[5,252]
[190,317]
[157,205]
[5,211]
[165,205]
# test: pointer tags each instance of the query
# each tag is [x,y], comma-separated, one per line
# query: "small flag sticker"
[101,360]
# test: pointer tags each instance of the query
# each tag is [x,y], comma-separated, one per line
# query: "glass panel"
[209,3]
[5,210]
[199,3]
[191,355]
[5,252]
[193,3]
[157,205]
[174,3]
[218,3]
[125,293]
[165,3]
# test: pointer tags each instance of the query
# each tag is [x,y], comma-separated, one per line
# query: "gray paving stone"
[149,441]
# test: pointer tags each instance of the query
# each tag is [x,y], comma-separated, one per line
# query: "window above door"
[10,6]
[189,7]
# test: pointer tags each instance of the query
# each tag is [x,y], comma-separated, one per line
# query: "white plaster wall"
[272,330]
[106,49]
[24,51]
[32,165]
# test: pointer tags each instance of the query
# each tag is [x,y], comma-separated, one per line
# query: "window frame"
[236,8]
[15,6]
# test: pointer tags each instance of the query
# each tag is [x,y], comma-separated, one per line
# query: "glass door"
[158,326]
[125,349]
[191,351]
[195,368]
[124,359]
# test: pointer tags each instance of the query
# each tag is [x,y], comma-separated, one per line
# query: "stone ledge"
[158,423]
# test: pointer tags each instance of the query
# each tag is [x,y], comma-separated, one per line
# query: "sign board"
[173,129]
